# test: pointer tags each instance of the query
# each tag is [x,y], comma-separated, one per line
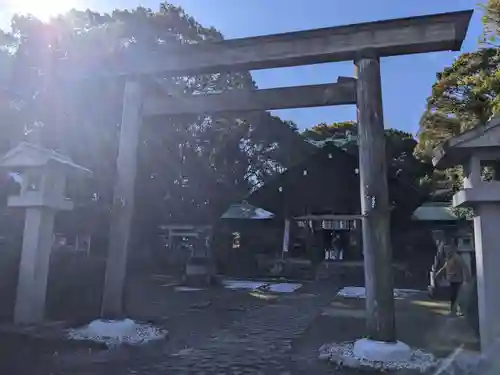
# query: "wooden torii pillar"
[123,201]
[375,205]
[363,43]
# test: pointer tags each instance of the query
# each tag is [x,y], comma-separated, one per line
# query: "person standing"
[456,273]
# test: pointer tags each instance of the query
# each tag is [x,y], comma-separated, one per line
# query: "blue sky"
[407,80]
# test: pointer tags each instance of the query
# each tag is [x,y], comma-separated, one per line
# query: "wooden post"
[123,202]
[374,202]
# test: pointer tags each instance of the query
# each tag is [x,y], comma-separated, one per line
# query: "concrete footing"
[369,355]
[381,351]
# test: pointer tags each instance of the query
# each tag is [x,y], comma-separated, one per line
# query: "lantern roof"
[28,155]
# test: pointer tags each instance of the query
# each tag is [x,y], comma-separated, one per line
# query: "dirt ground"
[221,331]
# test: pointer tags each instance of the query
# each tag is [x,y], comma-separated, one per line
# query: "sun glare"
[42,10]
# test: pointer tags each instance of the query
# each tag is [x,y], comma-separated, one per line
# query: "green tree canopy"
[491,21]
[399,144]
[465,95]
[190,167]
[405,171]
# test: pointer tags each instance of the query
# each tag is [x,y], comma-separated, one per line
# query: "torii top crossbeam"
[404,36]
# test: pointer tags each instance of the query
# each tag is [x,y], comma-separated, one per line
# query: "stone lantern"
[474,150]
[43,176]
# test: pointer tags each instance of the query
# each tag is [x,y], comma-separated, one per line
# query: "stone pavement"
[258,343]
[214,332]
[219,331]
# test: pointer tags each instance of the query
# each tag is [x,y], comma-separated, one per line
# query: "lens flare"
[43,10]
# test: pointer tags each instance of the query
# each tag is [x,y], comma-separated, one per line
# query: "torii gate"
[362,43]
